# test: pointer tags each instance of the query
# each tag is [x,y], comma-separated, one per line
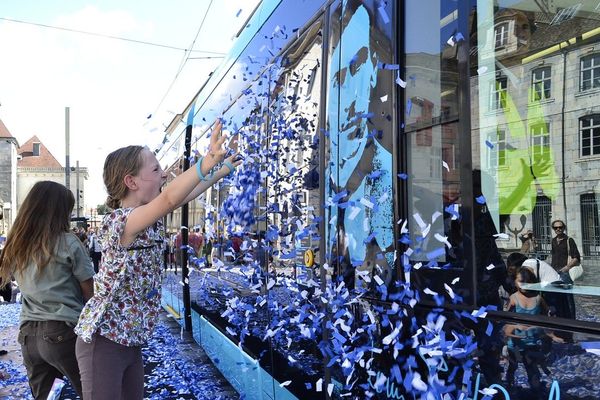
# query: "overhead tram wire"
[186,57]
[61,28]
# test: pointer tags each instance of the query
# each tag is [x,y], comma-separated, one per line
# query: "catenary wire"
[109,36]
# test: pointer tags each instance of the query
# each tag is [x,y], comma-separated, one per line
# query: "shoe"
[3,352]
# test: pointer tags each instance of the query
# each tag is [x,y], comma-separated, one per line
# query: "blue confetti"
[384,16]
[489,329]
[480,199]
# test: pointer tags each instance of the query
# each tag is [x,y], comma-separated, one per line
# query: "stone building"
[540,109]
[8,178]
[37,163]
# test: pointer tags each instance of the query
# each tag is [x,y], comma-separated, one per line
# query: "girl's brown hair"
[43,216]
[118,164]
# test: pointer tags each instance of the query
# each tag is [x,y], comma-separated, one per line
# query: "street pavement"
[175,366]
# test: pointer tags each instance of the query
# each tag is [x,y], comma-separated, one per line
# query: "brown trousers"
[110,371]
[48,352]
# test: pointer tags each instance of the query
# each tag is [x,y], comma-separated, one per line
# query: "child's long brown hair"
[43,216]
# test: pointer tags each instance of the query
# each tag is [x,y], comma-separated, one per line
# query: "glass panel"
[360,115]
[543,173]
[523,362]
[434,228]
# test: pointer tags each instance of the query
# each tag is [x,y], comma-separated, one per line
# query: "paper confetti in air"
[400,82]
[383,98]
[482,70]
[383,13]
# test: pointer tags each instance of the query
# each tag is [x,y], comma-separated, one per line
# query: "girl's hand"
[216,151]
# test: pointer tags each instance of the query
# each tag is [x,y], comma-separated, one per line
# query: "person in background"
[95,248]
[527,344]
[196,241]
[54,274]
[6,294]
[561,245]
[207,250]
[559,304]
[121,316]
[529,244]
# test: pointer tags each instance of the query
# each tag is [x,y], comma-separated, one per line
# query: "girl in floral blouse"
[121,315]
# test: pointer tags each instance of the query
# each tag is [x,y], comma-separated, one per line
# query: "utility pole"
[77,185]
[187,305]
[67,161]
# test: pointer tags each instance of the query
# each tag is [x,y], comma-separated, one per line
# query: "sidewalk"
[175,366]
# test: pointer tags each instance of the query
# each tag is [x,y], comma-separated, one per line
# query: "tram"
[396,155]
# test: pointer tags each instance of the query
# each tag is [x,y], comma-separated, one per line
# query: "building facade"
[8,182]
[36,163]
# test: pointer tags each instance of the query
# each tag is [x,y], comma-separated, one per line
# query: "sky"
[111,86]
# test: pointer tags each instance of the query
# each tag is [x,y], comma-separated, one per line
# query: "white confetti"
[443,239]
[389,338]
[445,165]
[449,290]
[488,391]
[354,213]
[482,70]
[367,203]
[383,98]
[319,385]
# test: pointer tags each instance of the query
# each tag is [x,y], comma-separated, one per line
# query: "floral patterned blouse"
[126,298]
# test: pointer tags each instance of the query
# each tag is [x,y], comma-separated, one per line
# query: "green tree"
[102,209]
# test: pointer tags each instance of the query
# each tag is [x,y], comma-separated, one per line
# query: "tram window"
[534,196]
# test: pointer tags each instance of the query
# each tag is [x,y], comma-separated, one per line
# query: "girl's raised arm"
[172,196]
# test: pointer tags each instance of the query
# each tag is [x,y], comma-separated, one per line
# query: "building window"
[540,141]
[36,149]
[590,72]
[498,93]
[497,155]
[501,34]
[590,224]
[589,135]
[541,83]
[541,220]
